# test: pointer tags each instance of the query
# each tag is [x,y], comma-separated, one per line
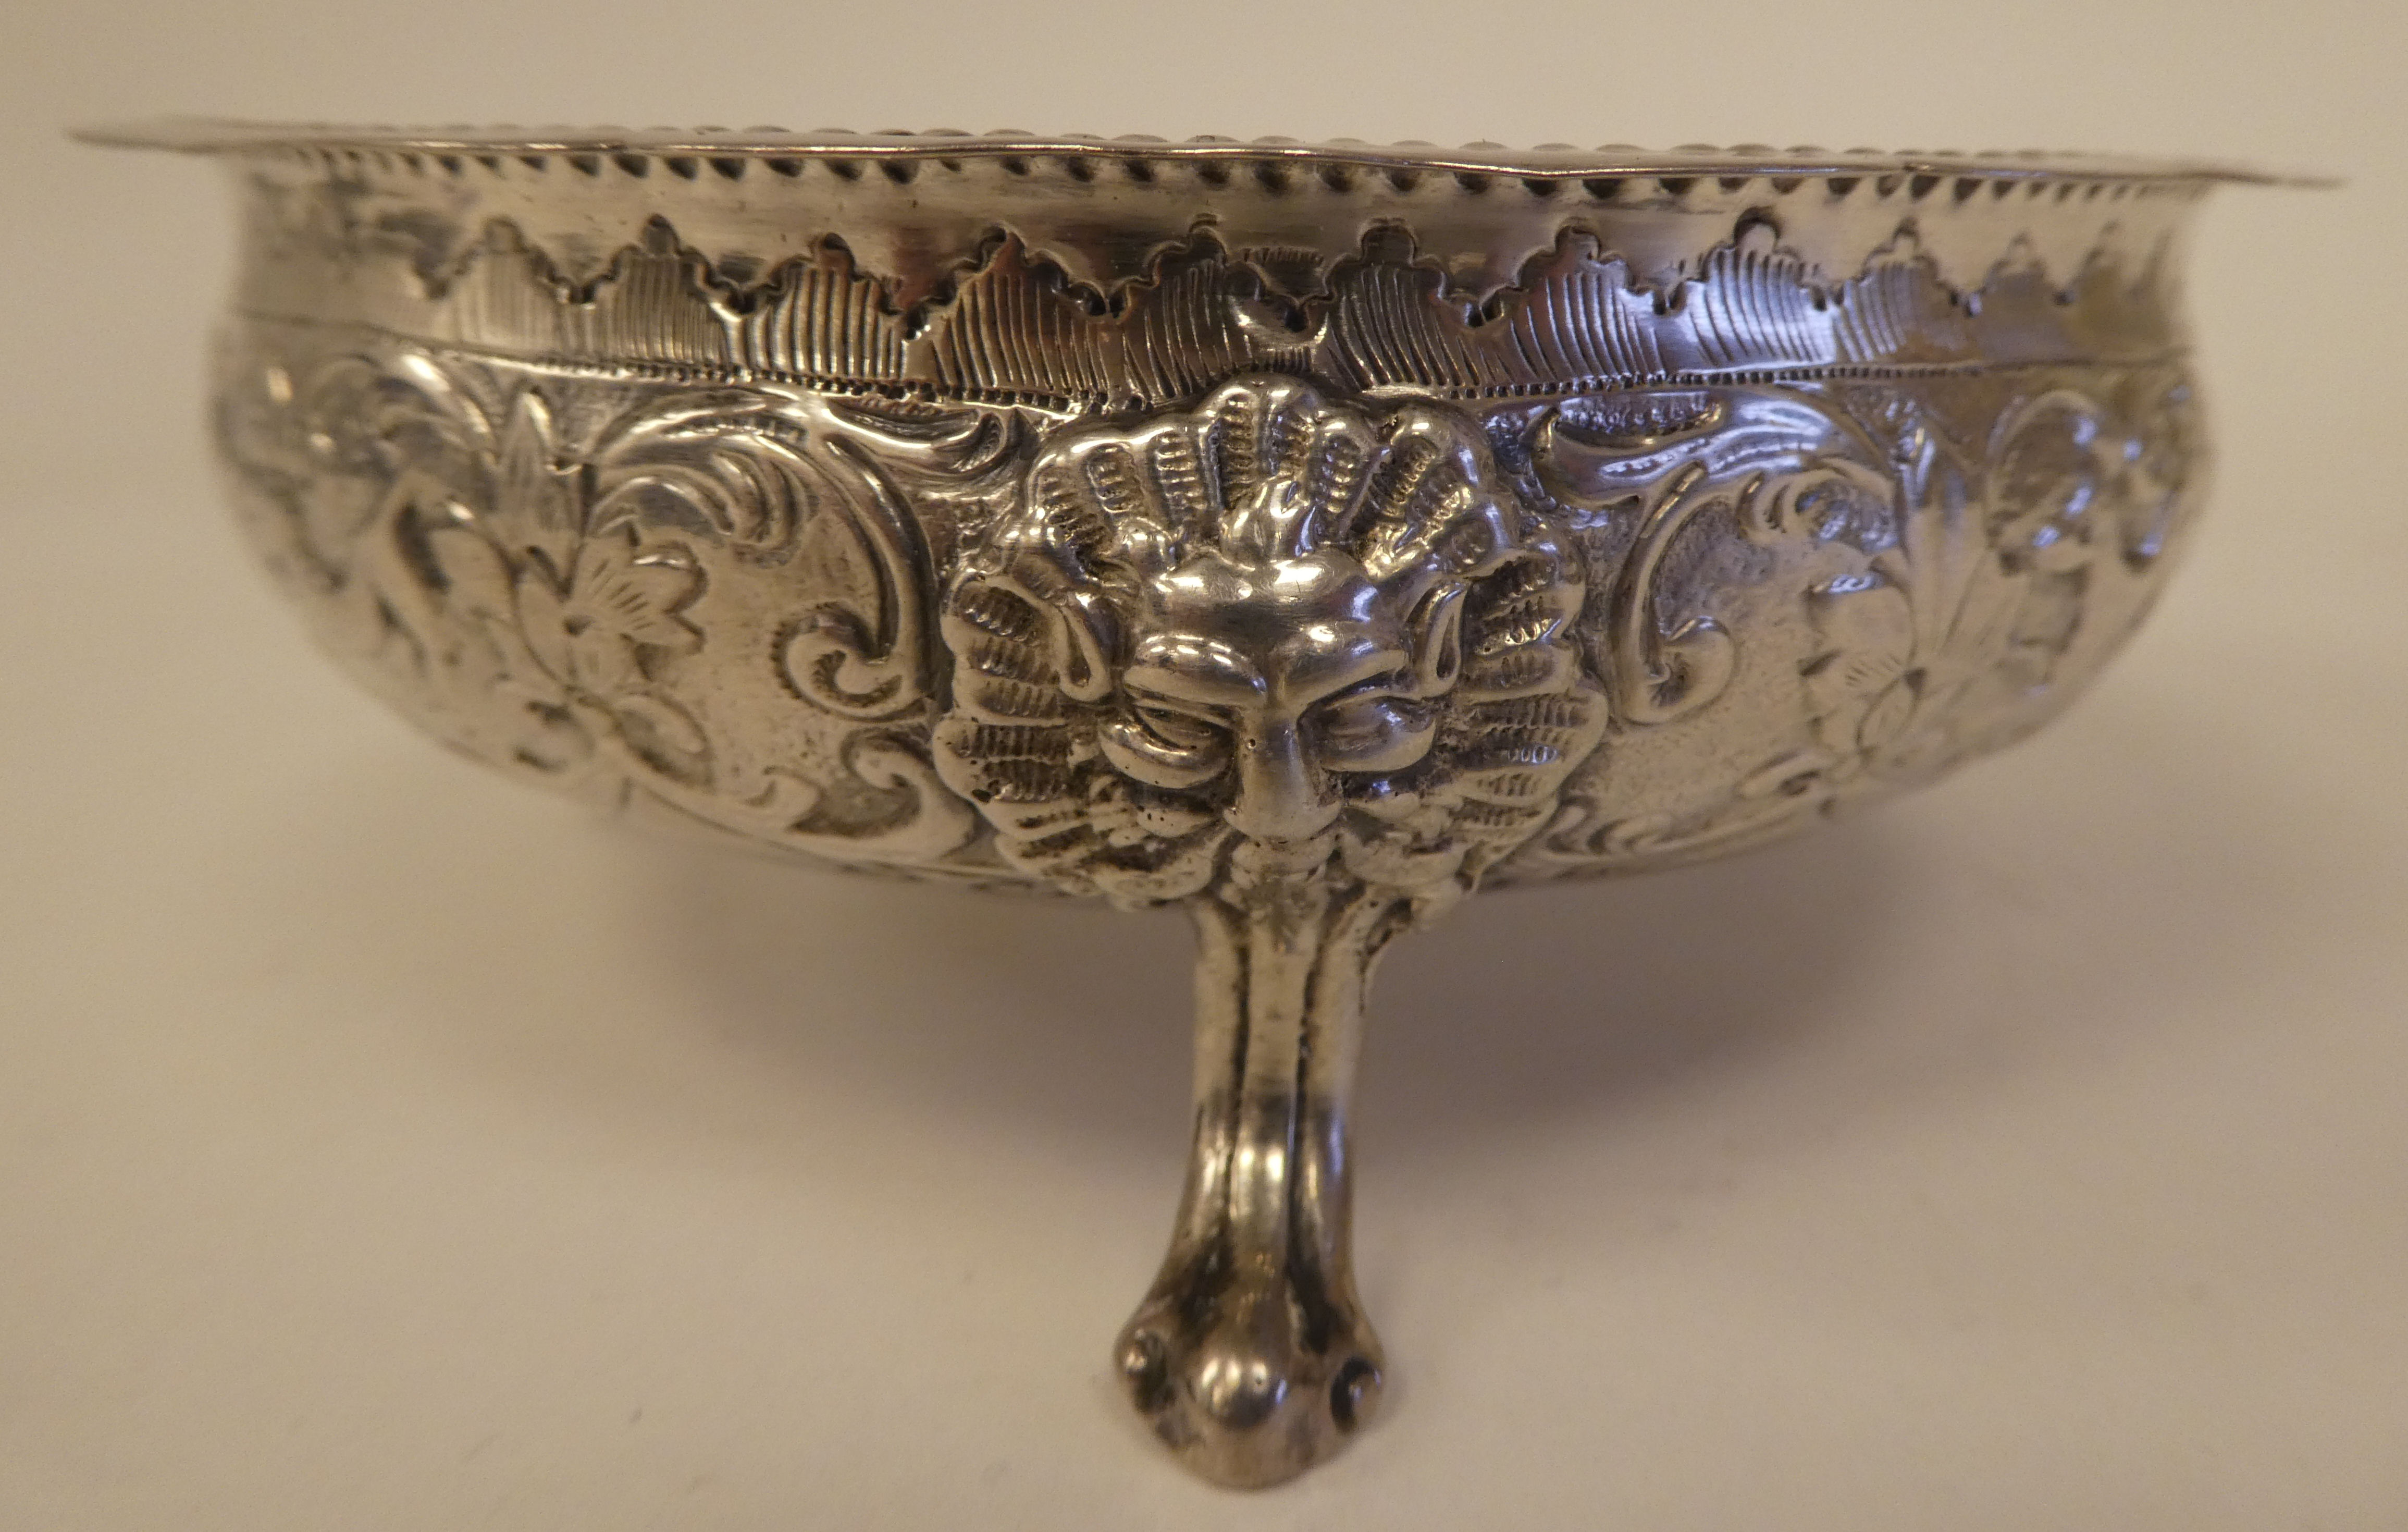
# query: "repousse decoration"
[1303,536]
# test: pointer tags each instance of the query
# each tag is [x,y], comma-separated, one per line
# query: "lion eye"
[1373,732]
[1164,746]
[1175,729]
[1365,720]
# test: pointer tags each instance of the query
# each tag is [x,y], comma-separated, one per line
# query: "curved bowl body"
[1308,535]
[829,491]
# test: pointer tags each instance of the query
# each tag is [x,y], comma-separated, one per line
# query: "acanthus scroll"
[544,581]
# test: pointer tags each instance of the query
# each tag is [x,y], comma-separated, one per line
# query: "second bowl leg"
[1250,1356]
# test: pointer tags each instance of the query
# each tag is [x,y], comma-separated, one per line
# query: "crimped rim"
[226,136]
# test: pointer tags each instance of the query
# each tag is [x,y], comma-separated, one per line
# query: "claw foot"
[1250,1356]
[1248,1385]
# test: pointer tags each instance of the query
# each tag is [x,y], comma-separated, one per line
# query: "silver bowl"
[1306,535]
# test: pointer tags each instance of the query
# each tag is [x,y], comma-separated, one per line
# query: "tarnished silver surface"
[1308,535]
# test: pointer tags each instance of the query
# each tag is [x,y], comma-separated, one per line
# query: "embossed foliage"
[1951,553]
[702,593]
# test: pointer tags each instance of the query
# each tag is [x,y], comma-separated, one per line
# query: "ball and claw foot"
[1242,1390]
[1250,1356]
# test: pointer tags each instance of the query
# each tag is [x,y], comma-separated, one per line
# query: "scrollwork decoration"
[544,588]
[1947,546]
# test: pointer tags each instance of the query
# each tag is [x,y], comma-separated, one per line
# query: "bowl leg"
[1251,1356]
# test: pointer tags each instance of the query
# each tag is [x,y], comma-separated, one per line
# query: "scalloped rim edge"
[223,136]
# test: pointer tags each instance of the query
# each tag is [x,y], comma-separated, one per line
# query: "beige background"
[384,1148]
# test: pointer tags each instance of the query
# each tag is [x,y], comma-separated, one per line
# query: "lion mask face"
[1273,620]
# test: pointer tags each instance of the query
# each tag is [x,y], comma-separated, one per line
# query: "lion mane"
[1045,610]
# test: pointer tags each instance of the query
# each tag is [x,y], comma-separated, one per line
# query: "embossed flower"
[601,632]
[2046,489]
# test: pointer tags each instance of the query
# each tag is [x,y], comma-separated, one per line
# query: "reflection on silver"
[1305,534]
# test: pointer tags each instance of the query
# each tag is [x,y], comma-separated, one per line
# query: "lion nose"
[1280,795]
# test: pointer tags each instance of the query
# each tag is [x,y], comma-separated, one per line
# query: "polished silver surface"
[1308,535]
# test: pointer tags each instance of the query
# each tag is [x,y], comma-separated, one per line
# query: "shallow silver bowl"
[1308,535]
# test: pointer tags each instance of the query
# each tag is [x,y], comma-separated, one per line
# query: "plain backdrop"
[383,1147]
